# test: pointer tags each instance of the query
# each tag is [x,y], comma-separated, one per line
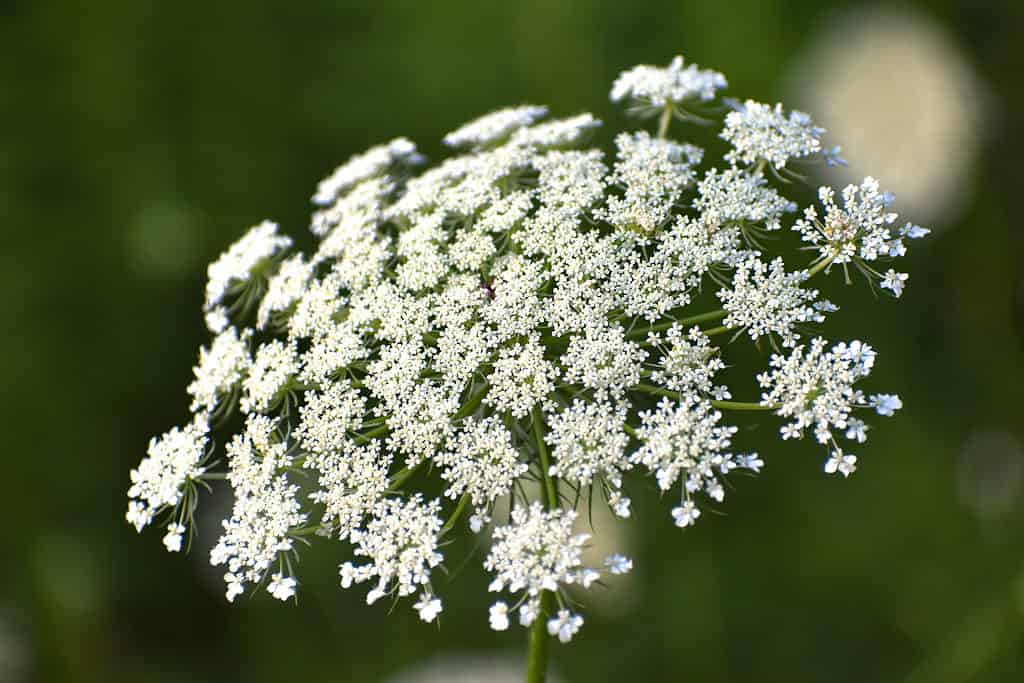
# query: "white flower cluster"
[171,463]
[760,132]
[588,440]
[813,387]
[266,509]
[604,361]
[765,299]
[688,361]
[538,551]
[656,86]
[495,126]
[859,232]
[481,462]
[524,326]
[653,174]
[249,258]
[684,438]
[221,369]
[401,543]
[738,196]
[374,162]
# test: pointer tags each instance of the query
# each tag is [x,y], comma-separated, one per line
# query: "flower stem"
[472,403]
[703,317]
[550,488]
[372,433]
[657,391]
[453,520]
[537,658]
[819,266]
[666,118]
[537,654]
[401,476]
[723,405]
[693,319]
[742,405]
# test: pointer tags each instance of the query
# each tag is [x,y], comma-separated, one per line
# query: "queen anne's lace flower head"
[684,440]
[285,288]
[688,362]
[275,364]
[557,133]
[538,551]
[400,542]
[814,388]
[522,378]
[604,361]
[519,332]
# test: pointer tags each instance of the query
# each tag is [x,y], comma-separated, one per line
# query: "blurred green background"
[138,139]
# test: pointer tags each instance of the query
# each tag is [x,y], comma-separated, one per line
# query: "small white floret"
[173,538]
[281,587]
[618,564]
[499,616]
[886,404]
[686,514]
[565,625]
[844,463]
[428,607]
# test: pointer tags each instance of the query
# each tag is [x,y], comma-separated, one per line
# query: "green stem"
[550,487]
[656,391]
[703,317]
[820,266]
[723,405]
[537,657]
[453,520]
[692,320]
[376,431]
[715,330]
[473,403]
[666,118]
[402,476]
[741,405]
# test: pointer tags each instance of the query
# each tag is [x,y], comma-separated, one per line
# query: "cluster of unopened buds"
[526,326]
